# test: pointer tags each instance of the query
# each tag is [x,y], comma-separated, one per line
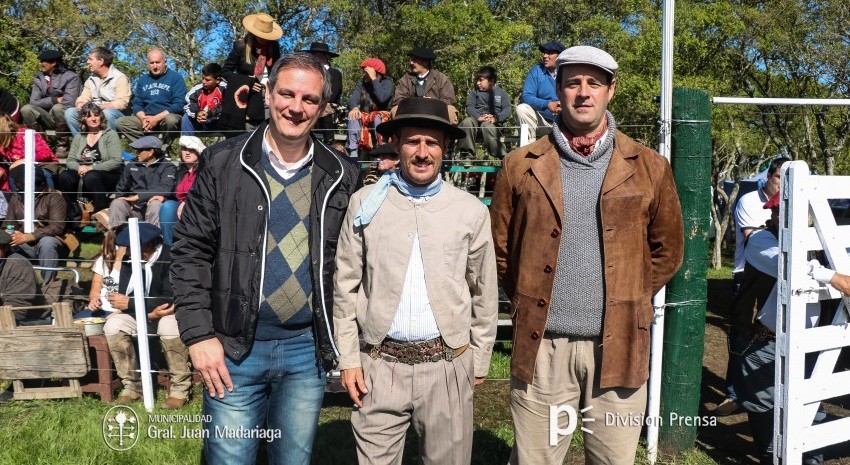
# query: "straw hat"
[262,26]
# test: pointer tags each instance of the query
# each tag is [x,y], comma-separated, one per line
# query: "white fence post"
[524,135]
[28,188]
[141,314]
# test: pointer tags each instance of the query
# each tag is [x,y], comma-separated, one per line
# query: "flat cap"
[147,142]
[587,55]
[422,52]
[553,46]
[50,55]
[147,233]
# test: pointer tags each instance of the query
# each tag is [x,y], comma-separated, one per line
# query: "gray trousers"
[131,127]
[435,397]
[120,210]
[48,250]
[47,119]
[489,133]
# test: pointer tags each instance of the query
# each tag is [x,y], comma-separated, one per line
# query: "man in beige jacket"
[416,281]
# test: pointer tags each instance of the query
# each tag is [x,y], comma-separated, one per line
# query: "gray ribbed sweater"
[578,294]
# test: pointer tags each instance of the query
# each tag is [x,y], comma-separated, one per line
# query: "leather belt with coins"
[411,353]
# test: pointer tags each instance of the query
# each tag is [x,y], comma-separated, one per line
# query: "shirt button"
[535,335]
[541,303]
[547,269]
[555,233]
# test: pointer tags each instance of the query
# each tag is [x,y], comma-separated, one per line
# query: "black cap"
[422,52]
[421,112]
[320,47]
[147,233]
[50,55]
[383,149]
[552,46]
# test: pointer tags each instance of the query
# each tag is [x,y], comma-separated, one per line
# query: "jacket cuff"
[481,362]
[195,340]
[347,361]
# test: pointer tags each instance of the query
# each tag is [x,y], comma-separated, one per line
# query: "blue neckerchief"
[373,202]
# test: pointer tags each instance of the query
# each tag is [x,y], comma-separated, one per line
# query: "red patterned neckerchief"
[584,145]
[263,60]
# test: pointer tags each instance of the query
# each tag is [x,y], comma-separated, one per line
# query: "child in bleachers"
[203,102]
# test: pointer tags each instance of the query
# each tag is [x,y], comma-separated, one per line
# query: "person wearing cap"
[106,87]
[488,106]
[9,105]
[754,324]
[749,216]
[368,106]
[253,56]
[385,159]
[159,307]
[158,99]
[326,125]
[424,81]
[54,90]
[19,286]
[254,268]
[588,227]
[540,104]
[190,153]
[144,185]
[45,243]
[416,280]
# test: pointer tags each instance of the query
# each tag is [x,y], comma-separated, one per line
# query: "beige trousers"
[527,115]
[166,327]
[435,397]
[566,374]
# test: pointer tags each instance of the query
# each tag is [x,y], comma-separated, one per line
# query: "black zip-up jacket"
[158,178]
[219,254]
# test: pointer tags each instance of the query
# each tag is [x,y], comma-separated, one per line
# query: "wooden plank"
[43,353]
[62,392]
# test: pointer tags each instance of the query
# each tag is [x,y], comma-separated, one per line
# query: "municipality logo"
[120,428]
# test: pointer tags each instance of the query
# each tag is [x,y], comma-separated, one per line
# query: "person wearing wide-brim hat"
[253,57]
[324,128]
[425,81]
[382,158]
[416,280]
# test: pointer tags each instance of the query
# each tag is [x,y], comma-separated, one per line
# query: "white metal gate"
[797,398]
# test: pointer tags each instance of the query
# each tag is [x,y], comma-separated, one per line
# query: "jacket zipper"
[266,228]
[322,250]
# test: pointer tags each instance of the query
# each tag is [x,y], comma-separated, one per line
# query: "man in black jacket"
[253,272]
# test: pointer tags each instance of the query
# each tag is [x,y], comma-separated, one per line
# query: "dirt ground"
[730,442]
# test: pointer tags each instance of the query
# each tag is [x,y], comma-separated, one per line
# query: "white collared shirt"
[285,170]
[414,319]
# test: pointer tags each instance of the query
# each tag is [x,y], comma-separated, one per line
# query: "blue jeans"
[167,220]
[189,125]
[72,119]
[277,389]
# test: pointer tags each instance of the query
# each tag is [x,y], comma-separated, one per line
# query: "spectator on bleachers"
[326,125]
[143,185]
[190,152]
[203,102]
[423,81]
[540,103]
[9,105]
[252,57]
[158,99]
[106,271]
[386,159]
[368,106]
[159,306]
[19,286]
[106,87]
[54,90]
[45,243]
[487,109]
[12,150]
[94,163]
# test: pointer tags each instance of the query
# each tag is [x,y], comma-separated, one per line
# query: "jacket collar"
[546,167]
[323,158]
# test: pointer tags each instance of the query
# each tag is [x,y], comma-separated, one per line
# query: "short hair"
[211,69]
[775,165]
[103,53]
[302,60]
[88,109]
[486,72]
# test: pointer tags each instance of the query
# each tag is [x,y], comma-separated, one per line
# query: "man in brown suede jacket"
[587,227]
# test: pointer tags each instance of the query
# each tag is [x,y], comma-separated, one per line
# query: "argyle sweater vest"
[287,286]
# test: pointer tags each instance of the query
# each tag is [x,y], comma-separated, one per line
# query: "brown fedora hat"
[421,112]
[262,26]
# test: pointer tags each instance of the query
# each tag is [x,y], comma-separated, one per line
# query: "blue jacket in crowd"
[539,90]
[153,94]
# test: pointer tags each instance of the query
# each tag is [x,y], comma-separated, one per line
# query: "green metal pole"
[684,329]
